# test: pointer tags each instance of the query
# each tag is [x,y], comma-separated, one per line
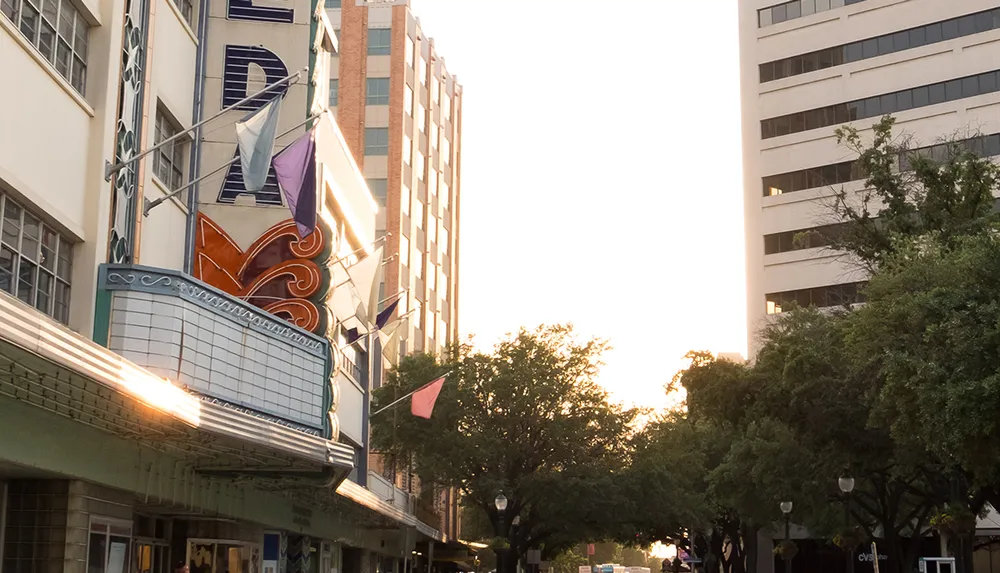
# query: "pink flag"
[423,399]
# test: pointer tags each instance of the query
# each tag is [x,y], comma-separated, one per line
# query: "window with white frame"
[379,189]
[168,161]
[443,240]
[187,10]
[409,51]
[36,262]
[59,32]
[334,92]
[444,192]
[418,165]
[404,200]
[418,265]
[376,141]
[379,41]
[408,100]
[404,251]
[432,228]
[377,92]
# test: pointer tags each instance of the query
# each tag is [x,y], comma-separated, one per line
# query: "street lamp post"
[501,505]
[846,485]
[786,508]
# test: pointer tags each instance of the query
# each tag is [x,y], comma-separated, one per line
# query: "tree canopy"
[527,419]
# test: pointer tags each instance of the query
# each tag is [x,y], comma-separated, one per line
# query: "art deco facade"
[175,387]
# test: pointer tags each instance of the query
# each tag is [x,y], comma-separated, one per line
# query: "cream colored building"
[401,112]
[63,60]
[194,345]
[809,66]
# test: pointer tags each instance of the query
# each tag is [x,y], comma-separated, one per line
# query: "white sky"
[601,175]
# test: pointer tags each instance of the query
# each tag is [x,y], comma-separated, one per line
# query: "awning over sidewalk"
[57,370]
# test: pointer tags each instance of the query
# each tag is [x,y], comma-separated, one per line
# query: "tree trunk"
[963,547]
[750,548]
[506,561]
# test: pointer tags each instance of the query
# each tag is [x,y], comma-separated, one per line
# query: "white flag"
[255,135]
[363,275]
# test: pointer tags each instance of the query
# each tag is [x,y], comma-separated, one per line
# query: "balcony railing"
[388,492]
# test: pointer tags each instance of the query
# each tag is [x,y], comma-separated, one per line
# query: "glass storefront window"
[109,545]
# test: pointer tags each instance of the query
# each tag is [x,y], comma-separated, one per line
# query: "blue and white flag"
[255,135]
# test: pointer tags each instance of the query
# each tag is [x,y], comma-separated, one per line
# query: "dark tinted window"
[874,47]
[844,172]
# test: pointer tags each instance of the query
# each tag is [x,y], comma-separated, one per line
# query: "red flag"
[422,404]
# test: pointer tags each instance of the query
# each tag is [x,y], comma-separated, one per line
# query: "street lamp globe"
[501,502]
[846,484]
[786,507]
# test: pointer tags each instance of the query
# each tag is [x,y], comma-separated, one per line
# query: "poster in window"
[116,557]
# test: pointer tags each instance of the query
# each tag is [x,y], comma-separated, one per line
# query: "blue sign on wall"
[233,187]
[236,75]
[245,10]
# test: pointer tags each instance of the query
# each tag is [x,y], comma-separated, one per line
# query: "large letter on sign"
[236,75]
[245,10]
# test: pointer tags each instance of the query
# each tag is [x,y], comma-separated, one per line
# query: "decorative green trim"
[102,310]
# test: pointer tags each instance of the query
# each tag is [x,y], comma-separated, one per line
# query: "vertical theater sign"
[247,244]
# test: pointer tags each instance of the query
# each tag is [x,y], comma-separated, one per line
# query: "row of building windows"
[847,171]
[799,239]
[36,262]
[797,9]
[820,297]
[59,32]
[879,105]
[881,45]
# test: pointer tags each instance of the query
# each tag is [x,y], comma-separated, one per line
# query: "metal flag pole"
[362,249]
[375,330]
[148,205]
[110,169]
[380,410]
[392,296]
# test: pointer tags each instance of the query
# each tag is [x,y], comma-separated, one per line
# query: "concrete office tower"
[401,113]
[810,66]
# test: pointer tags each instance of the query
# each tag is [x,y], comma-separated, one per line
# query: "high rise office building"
[809,66]
[401,113]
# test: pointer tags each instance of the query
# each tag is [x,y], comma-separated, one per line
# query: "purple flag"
[295,167]
[386,314]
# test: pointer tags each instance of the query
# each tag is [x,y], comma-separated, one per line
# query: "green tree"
[909,193]
[527,419]
[930,334]
[927,217]
[785,429]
